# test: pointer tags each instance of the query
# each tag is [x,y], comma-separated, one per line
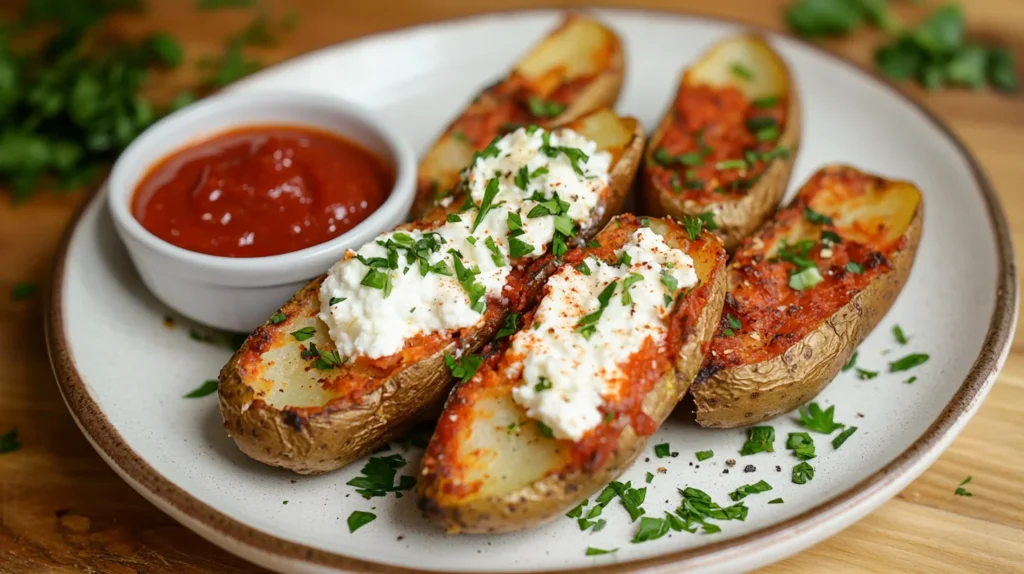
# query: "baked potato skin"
[344,420]
[449,154]
[751,392]
[736,217]
[571,472]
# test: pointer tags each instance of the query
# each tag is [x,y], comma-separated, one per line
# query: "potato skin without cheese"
[283,411]
[478,476]
[791,344]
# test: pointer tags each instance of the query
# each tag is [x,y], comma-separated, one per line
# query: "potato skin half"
[563,487]
[323,437]
[736,218]
[750,393]
[601,91]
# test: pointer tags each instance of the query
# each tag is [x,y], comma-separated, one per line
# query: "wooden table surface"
[62,508]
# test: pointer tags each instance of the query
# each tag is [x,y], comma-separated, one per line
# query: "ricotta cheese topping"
[527,192]
[591,320]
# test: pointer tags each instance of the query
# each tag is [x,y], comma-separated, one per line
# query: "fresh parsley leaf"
[802,473]
[545,430]
[961,491]
[911,380]
[897,332]
[855,268]
[335,300]
[517,247]
[748,489]
[816,218]
[631,499]
[208,387]
[651,529]
[649,478]
[805,279]
[819,420]
[741,71]
[841,437]
[508,328]
[866,375]
[761,439]
[465,367]
[577,511]
[278,318]
[801,444]
[662,450]
[304,333]
[359,519]
[543,109]
[486,203]
[693,226]
[908,362]
[591,551]
[628,282]
[377,477]
[9,441]
[812,18]
[849,364]
[703,455]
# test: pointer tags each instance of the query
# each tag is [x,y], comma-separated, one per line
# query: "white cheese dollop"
[372,322]
[567,377]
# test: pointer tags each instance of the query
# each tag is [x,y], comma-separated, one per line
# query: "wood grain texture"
[63,510]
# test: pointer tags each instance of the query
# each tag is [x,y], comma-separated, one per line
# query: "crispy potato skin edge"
[736,219]
[752,393]
[333,437]
[547,499]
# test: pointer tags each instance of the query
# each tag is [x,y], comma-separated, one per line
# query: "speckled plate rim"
[743,551]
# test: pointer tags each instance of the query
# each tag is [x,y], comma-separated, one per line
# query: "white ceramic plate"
[123,373]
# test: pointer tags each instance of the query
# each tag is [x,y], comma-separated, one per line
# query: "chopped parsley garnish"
[378,279]
[9,441]
[697,508]
[849,364]
[762,439]
[663,450]
[577,510]
[649,478]
[588,323]
[543,109]
[767,102]
[855,268]
[748,489]
[467,278]
[513,429]
[359,519]
[591,551]
[335,300]
[802,473]
[465,367]
[523,178]
[708,217]
[911,380]
[731,164]
[514,222]
[693,226]
[841,437]
[544,430]
[542,170]
[797,253]
[734,325]
[908,362]
[805,279]
[304,333]
[207,388]
[23,290]
[830,238]
[628,282]
[631,499]
[669,281]
[691,159]
[901,337]
[866,375]
[651,529]
[801,444]
[816,218]
[819,420]
[517,247]
[741,71]
[327,360]
[583,268]
[509,327]
[767,134]
[486,203]
[496,256]
[377,477]
[703,455]
[542,385]
[775,501]
[625,260]
[761,122]
[544,207]
[278,318]
[594,243]
[961,491]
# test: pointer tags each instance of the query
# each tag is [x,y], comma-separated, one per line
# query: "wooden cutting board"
[62,509]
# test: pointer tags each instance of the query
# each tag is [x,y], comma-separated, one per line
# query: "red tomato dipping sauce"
[262,190]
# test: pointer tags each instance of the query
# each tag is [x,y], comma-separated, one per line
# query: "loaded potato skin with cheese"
[725,148]
[575,70]
[569,401]
[362,353]
[804,291]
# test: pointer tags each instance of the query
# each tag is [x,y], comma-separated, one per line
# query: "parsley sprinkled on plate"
[761,439]
[803,473]
[703,455]
[208,387]
[377,477]
[463,368]
[359,519]
[961,491]
[801,444]
[841,437]
[908,362]
[591,551]
[819,420]
[748,489]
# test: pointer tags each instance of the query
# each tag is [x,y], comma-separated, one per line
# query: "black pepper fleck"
[749,468]
[778,468]
[725,471]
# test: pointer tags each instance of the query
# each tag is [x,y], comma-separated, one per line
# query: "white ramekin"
[237,294]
